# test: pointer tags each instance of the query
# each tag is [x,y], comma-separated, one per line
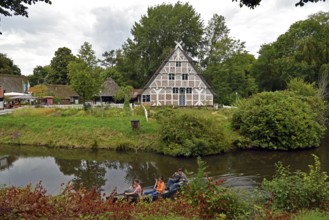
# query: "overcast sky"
[106,24]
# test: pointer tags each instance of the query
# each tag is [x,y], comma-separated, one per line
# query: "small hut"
[108,92]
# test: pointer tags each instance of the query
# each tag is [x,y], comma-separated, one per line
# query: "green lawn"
[55,129]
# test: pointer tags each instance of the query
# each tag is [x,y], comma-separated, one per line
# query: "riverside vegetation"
[290,119]
[201,199]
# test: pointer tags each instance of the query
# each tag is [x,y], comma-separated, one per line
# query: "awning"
[9,94]
[25,96]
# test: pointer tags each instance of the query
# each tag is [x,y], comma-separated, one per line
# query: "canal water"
[22,165]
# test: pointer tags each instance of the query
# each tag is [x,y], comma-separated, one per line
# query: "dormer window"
[178,64]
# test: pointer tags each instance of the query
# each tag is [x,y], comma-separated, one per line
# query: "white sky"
[106,24]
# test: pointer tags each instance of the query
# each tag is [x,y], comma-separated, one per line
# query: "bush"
[188,134]
[299,190]
[210,200]
[278,120]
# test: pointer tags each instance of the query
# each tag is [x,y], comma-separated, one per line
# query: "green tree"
[109,59]
[300,52]
[109,62]
[87,54]
[85,77]
[231,78]
[153,37]
[84,80]
[124,93]
[40,74]
[7,66]
[59,65]
[217,45]
[40,91]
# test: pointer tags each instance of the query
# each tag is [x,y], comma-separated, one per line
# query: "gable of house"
[177,82]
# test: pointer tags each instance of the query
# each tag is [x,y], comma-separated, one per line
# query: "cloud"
[106,24]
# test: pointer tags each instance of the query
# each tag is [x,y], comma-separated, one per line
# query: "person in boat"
[159,188]
[136,193]
[177,178]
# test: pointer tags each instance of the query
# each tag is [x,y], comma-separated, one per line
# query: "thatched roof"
[110,88]
[62,91]
[14,83]
[136,92]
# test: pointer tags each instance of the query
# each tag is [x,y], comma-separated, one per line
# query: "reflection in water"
[105,169]
[90,174]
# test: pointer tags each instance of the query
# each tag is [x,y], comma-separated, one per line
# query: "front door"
[182,97]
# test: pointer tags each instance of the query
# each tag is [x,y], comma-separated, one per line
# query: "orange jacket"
[160,187]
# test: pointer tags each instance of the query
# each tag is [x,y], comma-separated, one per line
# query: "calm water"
[107,169]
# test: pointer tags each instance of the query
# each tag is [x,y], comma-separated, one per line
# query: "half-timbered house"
[177,82]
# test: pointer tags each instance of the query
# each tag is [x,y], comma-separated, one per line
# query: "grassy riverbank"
[73,128]
[76,129]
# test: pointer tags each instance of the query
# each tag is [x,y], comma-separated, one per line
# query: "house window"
[175,90]
[171,76]
[184,76]
[178,64]
[182,90]
[188,90]
[146,98]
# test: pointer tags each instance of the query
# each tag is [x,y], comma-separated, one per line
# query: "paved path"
[6,111]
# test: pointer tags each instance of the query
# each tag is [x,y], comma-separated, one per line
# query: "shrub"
[299,190]
[278,120]
[308,93]
[211,200]
[188,134]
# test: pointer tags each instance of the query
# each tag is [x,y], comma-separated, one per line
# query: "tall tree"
[84,75]
[59,65]
[153,37]
[7,66]
[217,45]
[40,74]
[231,78]
[87,54]
[300,52]
[226,62]
[109,59]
